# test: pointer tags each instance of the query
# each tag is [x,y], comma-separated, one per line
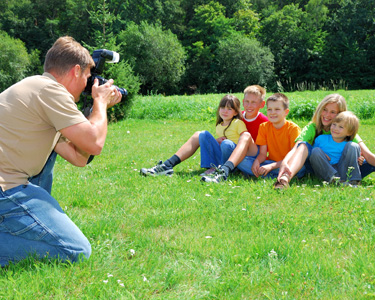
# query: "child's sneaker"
[159,169]
[334,180]
[352,183]
[208,172]
[217,176]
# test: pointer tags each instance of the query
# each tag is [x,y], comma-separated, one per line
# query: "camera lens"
[122,91]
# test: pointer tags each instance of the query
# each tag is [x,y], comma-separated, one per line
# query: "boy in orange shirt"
[275,138]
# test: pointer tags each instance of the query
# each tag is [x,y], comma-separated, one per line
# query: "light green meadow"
[178,238]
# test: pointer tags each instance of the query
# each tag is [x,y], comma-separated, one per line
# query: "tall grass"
[203,107]
[178,238]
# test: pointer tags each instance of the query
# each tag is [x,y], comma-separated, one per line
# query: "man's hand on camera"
[106,93]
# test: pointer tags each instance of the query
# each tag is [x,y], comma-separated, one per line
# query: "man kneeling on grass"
[38,116]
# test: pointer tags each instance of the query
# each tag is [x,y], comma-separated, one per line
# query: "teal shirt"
[308,134]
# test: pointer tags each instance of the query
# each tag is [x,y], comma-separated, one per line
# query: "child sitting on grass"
[275,138]
[252,102]
[229,127]
[327,159]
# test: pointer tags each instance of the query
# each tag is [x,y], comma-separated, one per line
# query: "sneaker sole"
[165,173]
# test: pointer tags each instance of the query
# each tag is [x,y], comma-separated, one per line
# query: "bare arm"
[368,155]
[71,153]
[264,170]
[89,137]
[260,158]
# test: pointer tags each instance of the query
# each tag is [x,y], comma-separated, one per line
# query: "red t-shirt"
[253,126]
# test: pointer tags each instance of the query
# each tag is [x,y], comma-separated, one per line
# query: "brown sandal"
[282,183]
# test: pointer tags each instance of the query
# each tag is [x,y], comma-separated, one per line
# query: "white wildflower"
[272,254]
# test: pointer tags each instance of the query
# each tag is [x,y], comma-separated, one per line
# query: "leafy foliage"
[15,61]
[315,44]
[241,60]
[156,56]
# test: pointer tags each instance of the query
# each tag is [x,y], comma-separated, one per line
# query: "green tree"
[15,61]
[297,48]
[349,52]
[103,19]
[208,26]
[243,61]
[156,55]
[36,22]
[247,21]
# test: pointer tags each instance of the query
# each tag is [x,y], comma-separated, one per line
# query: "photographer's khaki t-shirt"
[31,113]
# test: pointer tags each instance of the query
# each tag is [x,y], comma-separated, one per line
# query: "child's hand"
[220,139]
[264,170]
[361,159]
[255,168]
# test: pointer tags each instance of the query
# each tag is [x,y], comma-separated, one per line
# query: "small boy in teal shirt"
[326,157]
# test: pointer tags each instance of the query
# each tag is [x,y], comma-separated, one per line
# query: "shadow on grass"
[308,180]
[33,263]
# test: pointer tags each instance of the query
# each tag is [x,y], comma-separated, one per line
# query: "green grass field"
[178,238]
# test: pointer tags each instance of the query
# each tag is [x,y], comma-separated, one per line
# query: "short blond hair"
[65,53]
[279,97]
[256,90]
[350,121]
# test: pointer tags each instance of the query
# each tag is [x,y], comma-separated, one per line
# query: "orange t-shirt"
[278,141]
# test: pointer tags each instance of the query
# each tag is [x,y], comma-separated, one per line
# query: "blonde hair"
[232,102]
[279,97]
[350,121]
[331,98]
[256,90]
[65,54]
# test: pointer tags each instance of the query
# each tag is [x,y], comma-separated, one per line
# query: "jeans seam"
[72,254]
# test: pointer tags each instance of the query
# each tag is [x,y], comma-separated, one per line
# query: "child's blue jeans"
[349,159]
[248,161]
[212,152]
[33,223]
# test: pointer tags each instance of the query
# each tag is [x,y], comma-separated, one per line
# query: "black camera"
[100,57]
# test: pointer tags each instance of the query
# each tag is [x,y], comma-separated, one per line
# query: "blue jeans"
[45,177]
[349,158]
[366,169]
[212,152]
[247,163]
[33,223]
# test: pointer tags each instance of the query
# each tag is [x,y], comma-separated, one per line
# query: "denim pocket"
[20,223]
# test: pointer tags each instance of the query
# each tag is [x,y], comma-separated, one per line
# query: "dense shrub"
[241,61]
[156,56]
[15,61]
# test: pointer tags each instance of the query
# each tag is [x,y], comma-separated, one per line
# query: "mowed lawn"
[178,238]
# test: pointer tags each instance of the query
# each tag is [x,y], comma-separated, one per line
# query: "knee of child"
[351,147]
[315,152]
[202,135]
[226,144]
